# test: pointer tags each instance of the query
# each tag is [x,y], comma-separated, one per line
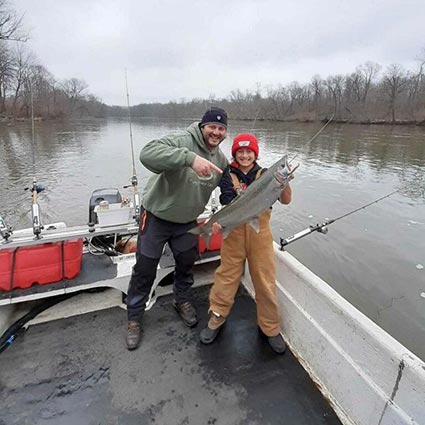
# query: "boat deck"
[77,370]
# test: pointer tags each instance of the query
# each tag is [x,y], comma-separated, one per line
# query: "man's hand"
[204,168]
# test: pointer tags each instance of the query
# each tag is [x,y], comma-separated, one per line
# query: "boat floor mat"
[78,371]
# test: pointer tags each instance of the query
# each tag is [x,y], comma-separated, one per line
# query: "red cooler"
[41,264]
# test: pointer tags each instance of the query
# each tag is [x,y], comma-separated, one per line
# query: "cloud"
[175,50]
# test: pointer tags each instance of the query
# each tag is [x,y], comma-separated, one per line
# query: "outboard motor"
[111,195]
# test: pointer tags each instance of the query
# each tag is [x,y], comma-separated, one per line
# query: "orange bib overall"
[244,243]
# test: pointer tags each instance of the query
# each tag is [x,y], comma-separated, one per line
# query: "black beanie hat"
[214,115]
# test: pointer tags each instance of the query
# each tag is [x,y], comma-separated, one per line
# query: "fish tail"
[196,230]
[202,231]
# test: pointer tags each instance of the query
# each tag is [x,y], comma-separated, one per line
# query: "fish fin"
[202,232]
[255,224]
[239,195]
[225,233]
[207,239]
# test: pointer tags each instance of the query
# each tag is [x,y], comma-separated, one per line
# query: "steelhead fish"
[258,197]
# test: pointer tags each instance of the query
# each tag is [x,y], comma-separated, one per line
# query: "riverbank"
[418,123]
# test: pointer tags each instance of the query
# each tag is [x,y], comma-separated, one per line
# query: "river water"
[374,258]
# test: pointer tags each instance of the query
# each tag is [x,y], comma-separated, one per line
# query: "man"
[187,168]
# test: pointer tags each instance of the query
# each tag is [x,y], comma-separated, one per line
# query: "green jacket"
[174,192]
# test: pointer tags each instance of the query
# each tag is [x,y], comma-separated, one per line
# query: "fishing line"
[313,138]
[364,206]
[255,119]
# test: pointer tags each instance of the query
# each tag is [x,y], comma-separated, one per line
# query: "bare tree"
[237,98]
[22,61]
[416,85]
[354,84]
[10,23]
[44,83]
[317,90]
[273,98]
[335,85]
[73,90]
[369,72]
[394,84]
[298,97]
[6,73]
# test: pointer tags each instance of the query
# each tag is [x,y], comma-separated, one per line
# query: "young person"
[174,198]
[244,243]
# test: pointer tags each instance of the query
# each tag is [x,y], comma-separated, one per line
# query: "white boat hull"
[367,375]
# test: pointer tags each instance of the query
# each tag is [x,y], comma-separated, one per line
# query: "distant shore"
[419,123]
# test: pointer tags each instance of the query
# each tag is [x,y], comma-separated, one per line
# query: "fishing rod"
[37,227]
[35,188]
[322,228]
[133,180]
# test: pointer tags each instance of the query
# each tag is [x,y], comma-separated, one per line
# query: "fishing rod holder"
[37,227]
[321,228]
[136,198]
[5,229]
[35,189]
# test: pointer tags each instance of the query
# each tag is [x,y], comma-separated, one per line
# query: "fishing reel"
[136,199]
[36,187]
[322,228]
[133,182]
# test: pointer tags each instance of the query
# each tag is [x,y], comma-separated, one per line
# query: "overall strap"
[237,183]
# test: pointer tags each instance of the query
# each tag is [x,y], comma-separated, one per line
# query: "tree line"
[369,94]
[26,85]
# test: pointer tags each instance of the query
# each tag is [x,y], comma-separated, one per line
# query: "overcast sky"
[175,49]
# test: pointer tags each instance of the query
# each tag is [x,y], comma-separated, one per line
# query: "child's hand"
[216,228]
[291,176]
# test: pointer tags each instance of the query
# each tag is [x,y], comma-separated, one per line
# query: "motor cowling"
[111,195]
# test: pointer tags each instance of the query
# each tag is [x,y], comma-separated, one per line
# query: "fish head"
[283,171]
